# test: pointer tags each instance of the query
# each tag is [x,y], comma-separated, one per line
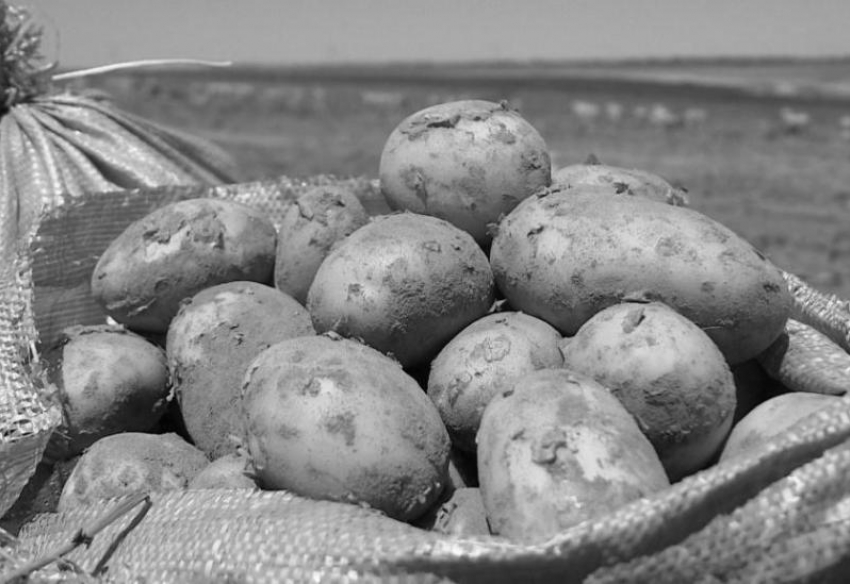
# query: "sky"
[82,33]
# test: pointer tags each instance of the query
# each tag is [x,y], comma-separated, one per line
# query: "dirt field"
[785,188]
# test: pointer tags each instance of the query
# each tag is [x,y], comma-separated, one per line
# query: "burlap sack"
[781,515]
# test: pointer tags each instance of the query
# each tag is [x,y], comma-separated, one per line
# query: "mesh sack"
[779,515]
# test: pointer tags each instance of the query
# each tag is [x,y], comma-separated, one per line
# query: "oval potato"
[566,253]
[331,418]
[667,372]
[556,449]
[480,361]
[466,161]
[177,251]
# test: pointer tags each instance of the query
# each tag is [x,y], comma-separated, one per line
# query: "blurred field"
[785,188]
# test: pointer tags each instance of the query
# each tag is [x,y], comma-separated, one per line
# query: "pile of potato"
[507,353]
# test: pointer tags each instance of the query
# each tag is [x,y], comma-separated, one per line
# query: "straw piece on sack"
[275,536]
[803,359]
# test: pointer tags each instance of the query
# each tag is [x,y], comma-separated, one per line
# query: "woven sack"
[55,146]
[780,515]
[74,172]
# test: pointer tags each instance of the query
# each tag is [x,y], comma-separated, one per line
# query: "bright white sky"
[92,32]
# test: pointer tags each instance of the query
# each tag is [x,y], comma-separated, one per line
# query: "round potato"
[771,418]
[130,463]
[467,162]
[556,449]
[331,418]
[667,373]
[405,284]
[320,217]
[480,361]
[209,345]
[107,380]
[566,253]
[177,251]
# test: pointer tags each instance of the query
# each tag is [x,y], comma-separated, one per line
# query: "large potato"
[670,376]
[331,418]
[467,162]
[405,284]
[566,253]
[177,251]
[209,345]
[556,449]
[130,463]
[320,218]
[480,361]
[107,380]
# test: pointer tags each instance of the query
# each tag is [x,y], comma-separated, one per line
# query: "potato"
[628,181]
[331,418]
[771,418]
[177,251]
[566,253]
[667,373]
[210,343]
[480,361]
[107,380]
[129,463]
[405,284]
[556,449]
[231,471]
[467,162]
[320,217]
